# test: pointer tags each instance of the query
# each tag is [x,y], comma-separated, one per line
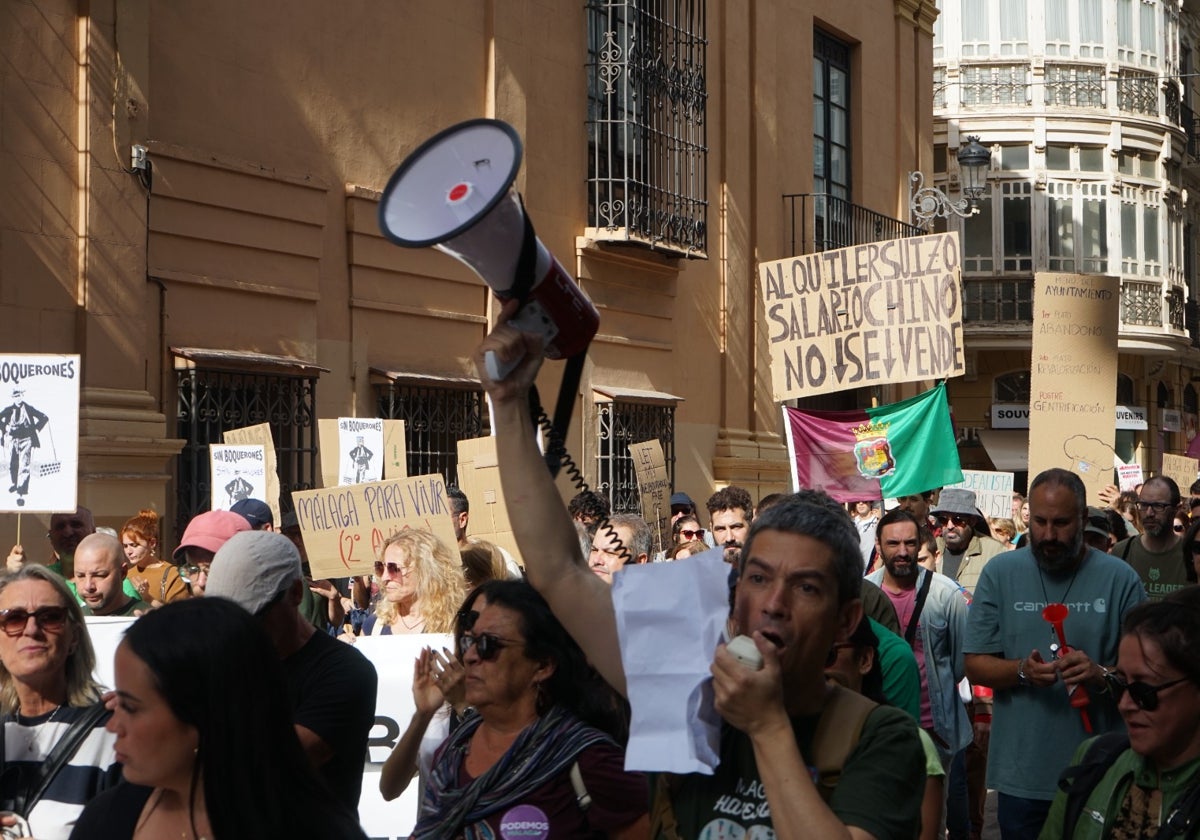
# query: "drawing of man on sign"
[239,488]
[19,427]
[361,456]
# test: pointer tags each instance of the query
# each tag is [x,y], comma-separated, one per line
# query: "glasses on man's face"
[487,645]
[50,619]
[1142,694]
[1157,507]
[955,519]
[689,534]
[392,569]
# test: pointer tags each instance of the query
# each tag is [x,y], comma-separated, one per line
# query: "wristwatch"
[1022,680]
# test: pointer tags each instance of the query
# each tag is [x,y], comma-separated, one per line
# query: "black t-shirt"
[332,688]
[113,814]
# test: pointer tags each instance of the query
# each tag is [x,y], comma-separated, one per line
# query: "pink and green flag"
[875,453]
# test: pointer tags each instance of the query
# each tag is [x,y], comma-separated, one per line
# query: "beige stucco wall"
[271,135]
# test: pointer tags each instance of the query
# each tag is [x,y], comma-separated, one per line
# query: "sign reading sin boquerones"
[871,314]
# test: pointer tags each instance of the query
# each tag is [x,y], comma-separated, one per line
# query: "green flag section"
[886,452]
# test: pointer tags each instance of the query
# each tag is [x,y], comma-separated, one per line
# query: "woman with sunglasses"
[1157,683]
[421,586]
[541,716]
[48,698]
[208,748]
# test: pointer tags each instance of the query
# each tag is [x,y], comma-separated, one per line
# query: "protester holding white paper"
[798,596]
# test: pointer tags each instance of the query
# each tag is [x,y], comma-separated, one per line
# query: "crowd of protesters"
[913,657]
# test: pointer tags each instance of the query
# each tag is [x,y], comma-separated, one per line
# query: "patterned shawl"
[544,749]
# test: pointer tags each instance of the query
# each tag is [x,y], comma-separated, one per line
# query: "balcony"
[821,222]
[1153,314]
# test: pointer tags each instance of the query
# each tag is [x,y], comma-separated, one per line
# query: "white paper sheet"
[670,618]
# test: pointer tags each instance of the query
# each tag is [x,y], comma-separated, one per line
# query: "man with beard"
[730,511]
[1012,649]
[933,619]
[1155,555]
[966,548]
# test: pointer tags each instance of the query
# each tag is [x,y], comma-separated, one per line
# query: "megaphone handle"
[497,370]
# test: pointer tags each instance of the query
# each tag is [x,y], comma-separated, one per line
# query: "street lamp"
[927,203]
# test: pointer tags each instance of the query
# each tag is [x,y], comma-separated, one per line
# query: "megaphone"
[455,193]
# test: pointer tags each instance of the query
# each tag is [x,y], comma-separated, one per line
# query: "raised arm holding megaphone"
[455,193]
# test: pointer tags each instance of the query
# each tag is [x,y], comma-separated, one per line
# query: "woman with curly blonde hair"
[421,586]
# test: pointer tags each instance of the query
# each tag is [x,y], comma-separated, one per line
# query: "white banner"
[39,432]
[393,658]
[238,472]
[993,491]
[360,450]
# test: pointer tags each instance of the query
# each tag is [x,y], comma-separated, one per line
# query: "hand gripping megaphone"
[455,193]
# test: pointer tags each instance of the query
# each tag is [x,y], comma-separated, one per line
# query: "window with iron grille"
[212,401]
[621,424]
[647,142]
[435,419]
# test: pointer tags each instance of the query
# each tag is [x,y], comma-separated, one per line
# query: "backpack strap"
[1183,817]
[838,731]
[1079,780]
[662,812]
[582,797]
[910,632]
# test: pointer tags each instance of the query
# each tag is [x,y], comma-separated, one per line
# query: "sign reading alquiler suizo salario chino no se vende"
[871,314]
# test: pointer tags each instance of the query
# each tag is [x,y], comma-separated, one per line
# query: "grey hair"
[814,514]
[82,689]
[639,533]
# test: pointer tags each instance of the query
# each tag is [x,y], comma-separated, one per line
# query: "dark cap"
[682,499]
[256,512]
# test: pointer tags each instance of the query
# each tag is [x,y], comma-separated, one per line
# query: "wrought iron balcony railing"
[821,222]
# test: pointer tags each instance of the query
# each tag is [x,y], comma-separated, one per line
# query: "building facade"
[1086,106]
[238,276]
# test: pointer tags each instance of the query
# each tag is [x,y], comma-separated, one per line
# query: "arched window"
[1164,396]
[1189,398]
[1012,387]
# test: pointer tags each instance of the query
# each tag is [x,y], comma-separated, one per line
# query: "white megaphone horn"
[454,193]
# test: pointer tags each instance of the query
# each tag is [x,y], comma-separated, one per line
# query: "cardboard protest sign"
[345,527]
[236,473]
[1181,468]
[39,432]
[260,435]
[654,490]
[1072,419]
[337,438]
[871,314]
[479,479]
[1129,477]
[993,491]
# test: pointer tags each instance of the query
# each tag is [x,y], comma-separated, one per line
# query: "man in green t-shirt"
[99,575]
[797,598]
[1155,554]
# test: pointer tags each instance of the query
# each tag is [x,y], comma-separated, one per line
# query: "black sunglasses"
[1143,694]
[50,619]
[958,520]
[487,645]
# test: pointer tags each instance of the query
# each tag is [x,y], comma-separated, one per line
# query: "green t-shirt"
[901,674]
[1162,572]
[879,789]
